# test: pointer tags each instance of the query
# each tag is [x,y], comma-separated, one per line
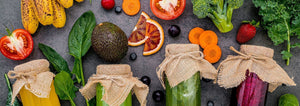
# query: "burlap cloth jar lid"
[182,61]
[34,76]
[117,81]
[255,59]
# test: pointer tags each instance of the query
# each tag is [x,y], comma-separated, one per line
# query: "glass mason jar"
[252,91]
[29,99]
[186,93]
[100,93]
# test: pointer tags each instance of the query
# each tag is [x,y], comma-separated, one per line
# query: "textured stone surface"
[144,65]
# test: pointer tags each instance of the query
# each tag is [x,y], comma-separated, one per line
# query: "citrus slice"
[138,35]
[155,39]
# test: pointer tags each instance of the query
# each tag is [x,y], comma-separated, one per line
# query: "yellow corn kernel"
[29,99]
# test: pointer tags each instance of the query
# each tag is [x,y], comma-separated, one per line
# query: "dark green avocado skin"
[109,42]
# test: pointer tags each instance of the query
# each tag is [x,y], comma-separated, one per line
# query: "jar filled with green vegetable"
[112,86]
[180,74]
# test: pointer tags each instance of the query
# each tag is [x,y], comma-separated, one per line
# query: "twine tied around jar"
[117,81]
[256,59]
[34,76]
[182,62]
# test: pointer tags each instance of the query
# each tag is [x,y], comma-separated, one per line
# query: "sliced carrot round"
[195,34]
[208,38]
[212,53]
[131,7]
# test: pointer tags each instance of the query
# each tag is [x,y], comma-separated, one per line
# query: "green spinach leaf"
[80,41]
[58,62]
[9,96]
[64,87]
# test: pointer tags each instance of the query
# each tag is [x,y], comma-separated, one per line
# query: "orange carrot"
[131,7]
[195,34]
[207,38]
[212,53]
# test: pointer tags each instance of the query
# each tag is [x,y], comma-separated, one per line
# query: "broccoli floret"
[219,11]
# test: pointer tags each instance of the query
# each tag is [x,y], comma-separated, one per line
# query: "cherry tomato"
[108,4]
[16,45]
[167,9]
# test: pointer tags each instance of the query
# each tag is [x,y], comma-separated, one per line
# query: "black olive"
[206,80]
[210,103]
[133,56]
[174,30]
[158,96]
[118,9]
[146,80]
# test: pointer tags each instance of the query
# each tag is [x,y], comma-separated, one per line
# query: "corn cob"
[29,20]
[43,10]
[66,3]
[59,15]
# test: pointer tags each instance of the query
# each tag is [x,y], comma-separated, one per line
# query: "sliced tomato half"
[16,45]
[167,9]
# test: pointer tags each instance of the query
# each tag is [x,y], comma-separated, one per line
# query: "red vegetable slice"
[167,9]
[16,45]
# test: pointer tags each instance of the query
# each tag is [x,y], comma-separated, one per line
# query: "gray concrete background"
[145,65]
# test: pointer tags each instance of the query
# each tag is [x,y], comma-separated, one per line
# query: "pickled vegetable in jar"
[34,84]
[253,72]
[100,94]
[29,99]
[112,86]
[180,74]
[252,91]
[186,93]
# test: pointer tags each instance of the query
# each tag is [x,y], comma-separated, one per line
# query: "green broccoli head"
[235,4]
[219,11]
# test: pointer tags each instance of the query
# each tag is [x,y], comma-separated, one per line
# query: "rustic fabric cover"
[182,61]
[117,81]
[256,59]
[35,76]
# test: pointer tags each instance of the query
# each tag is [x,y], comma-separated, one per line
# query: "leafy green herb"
[64,87]
[219,11]
[296,45]
[59,63]
[80,42]
[9,96]
[282,20]
[63,83]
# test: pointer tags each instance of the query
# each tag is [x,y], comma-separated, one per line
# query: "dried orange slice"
[155,35]
[138,35]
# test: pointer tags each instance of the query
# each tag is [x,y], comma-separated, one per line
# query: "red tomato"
[16,45]
[168,11]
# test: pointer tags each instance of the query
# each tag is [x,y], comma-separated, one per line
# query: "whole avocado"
[109,42]
[288,100]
